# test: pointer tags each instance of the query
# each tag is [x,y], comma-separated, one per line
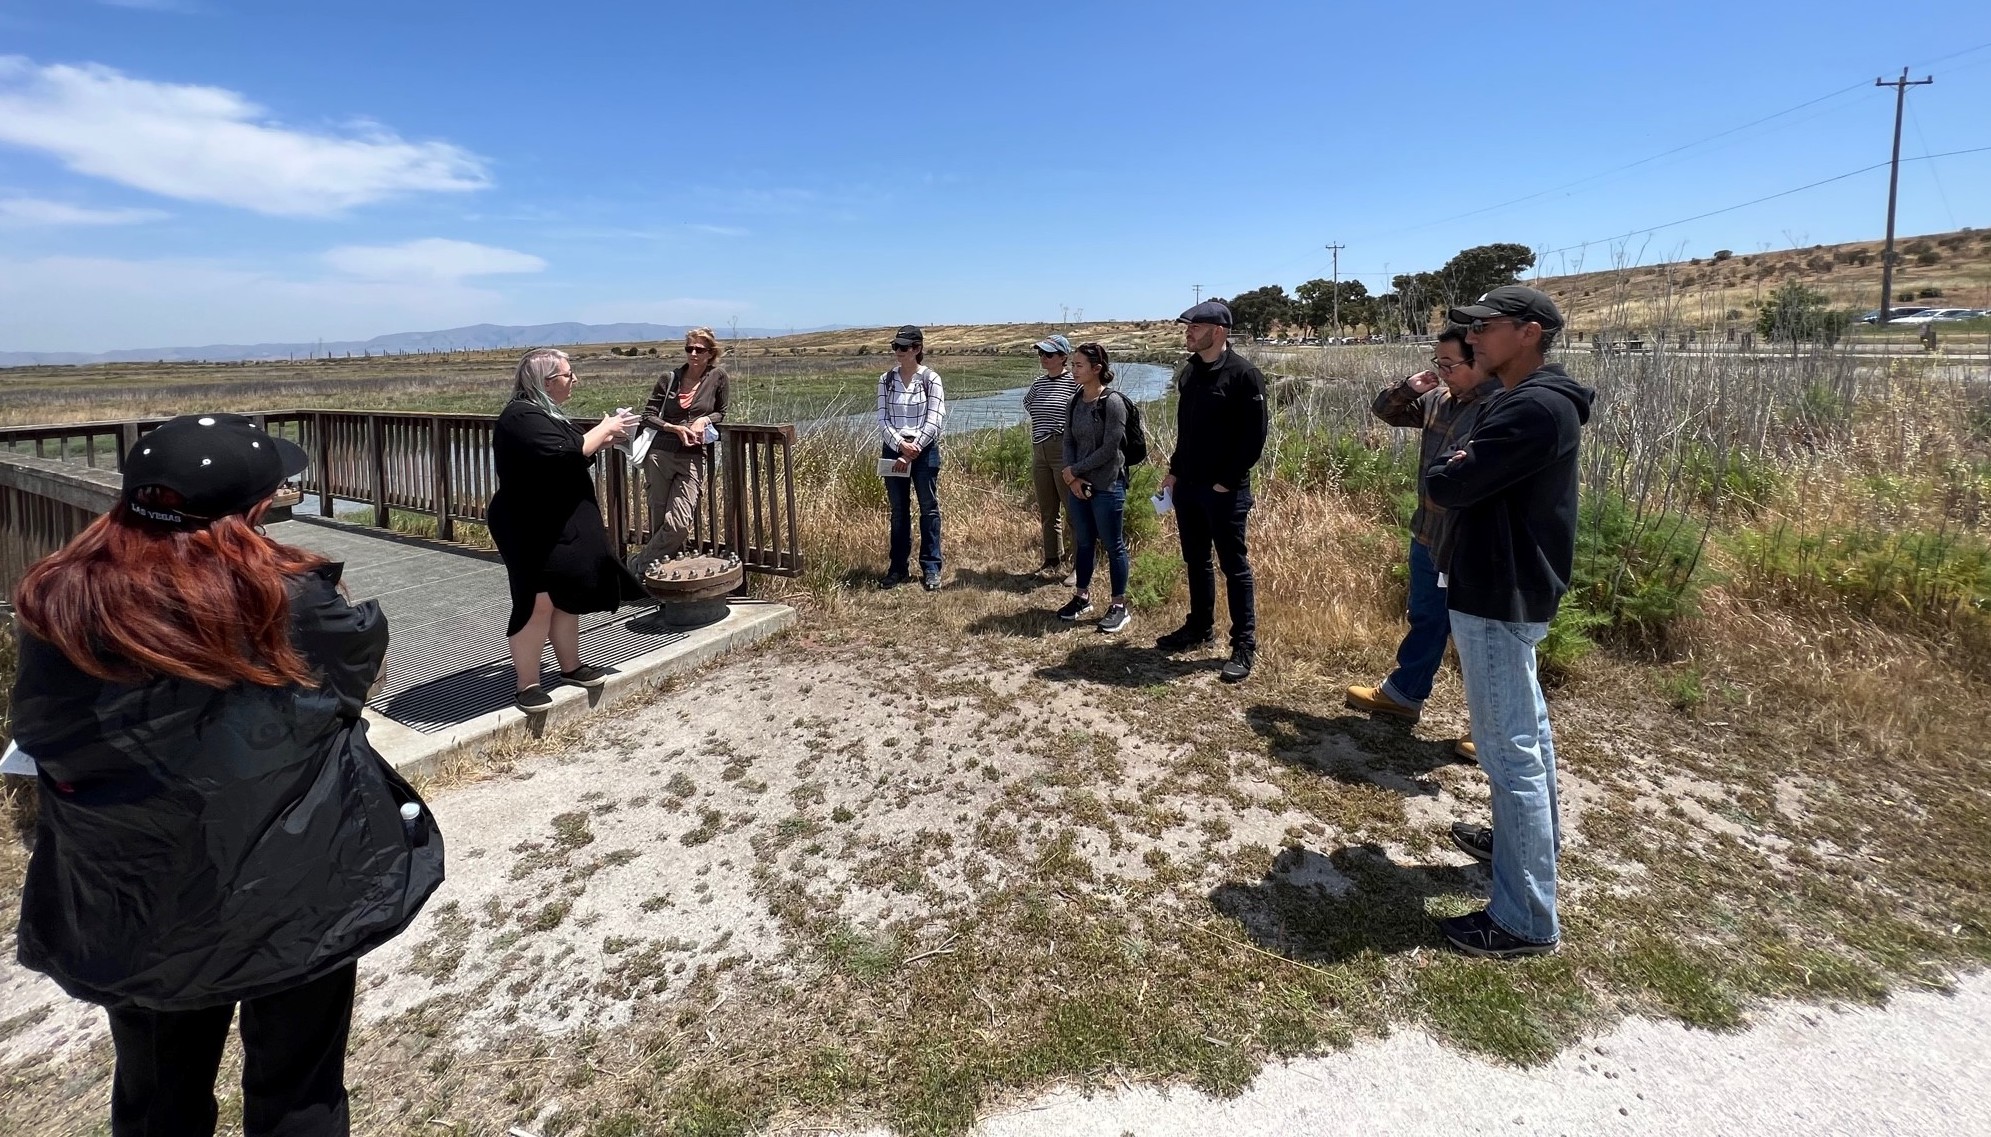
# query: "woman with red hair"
[213,827]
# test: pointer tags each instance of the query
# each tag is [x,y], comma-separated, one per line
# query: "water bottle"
[411,823]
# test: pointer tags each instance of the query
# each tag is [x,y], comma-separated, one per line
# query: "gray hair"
[538,365]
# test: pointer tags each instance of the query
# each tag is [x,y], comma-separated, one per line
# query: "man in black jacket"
[1221,425]
[1511,490]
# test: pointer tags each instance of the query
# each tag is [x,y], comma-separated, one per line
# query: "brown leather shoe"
[1464,748]
[1374,701]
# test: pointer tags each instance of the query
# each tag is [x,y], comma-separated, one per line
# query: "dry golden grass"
[1703,292]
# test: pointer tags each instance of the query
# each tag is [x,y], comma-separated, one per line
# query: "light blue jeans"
[1510,721]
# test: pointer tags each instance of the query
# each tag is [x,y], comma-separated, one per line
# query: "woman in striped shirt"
[911,405]
[1049,405]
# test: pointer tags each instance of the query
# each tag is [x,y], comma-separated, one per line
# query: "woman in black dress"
[548,525]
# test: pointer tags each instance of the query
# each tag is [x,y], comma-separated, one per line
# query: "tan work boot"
[1464,748]
[1376,702]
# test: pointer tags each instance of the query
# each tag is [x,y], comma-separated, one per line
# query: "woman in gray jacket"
[1095,477]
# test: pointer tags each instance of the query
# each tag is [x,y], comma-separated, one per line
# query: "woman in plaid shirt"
[911,405]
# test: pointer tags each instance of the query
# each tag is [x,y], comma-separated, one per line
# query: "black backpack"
[1134,443]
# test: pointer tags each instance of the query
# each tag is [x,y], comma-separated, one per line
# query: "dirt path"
[820,823]
[1918,1067]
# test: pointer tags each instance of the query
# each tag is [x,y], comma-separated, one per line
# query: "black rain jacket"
[197,847]
[1512,500]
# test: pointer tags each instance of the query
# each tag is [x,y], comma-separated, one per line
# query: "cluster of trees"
[1414,301]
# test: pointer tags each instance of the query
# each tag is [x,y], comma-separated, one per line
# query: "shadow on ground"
[1120,662]
[1324,908]
[999,580]
[1353,748]
[1030,622]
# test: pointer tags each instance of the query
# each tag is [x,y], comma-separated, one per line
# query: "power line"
[1629,165]
[1759,200]
[1941,194]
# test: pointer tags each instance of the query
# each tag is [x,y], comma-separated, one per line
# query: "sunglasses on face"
[903,347]
[698,351]
[1478,326]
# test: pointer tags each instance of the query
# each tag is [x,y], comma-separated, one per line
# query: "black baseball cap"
[1515,300]
[1208,312]
[909,336]
[218,464]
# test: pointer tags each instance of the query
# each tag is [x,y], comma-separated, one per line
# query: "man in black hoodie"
[1222,421]
[1511,490]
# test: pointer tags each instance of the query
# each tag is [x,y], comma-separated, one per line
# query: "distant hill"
[477,337]
[1940,269]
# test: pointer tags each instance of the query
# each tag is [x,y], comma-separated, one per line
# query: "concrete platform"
[446,684]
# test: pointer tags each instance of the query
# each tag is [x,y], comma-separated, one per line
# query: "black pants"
[293,1068]
[1206,518]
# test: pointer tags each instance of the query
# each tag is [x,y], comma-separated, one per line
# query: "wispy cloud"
[26,212]
[210,144]
[432,258]
[719,230]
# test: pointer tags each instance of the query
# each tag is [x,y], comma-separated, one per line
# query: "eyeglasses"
[904,346]
[1444,365]
[1048,354]
[1478,326]
[562,375]
[698,351]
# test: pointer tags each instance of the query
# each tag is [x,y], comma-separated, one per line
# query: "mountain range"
[476,337]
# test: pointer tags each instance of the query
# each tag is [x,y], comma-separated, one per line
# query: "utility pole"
[1900,86]
[1336,250]
[1199,293]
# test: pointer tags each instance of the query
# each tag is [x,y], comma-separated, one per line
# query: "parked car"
[1936,316]
[1894,315]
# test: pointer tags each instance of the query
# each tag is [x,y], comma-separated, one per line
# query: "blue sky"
[195,171]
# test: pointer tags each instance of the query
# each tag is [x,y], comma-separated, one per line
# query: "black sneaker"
[1188,637]
[586,675]
[931,582]
[1116,619]
[892,580]
[533,700]
[1239,667]
[1477,935]
[1476,840]
[1074,608]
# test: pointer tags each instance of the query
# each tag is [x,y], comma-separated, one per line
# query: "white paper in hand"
[638,447]
[1164,501]
[887,468]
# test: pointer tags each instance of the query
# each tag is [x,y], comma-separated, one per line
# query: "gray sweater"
[1092,441]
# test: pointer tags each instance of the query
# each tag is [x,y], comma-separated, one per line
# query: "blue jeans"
[1101,519]
[1423,647]
[1511,728]
[924,481]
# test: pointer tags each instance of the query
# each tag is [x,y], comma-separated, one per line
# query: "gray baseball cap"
[1055,345]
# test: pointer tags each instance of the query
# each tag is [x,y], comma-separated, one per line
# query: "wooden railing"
[43,503]
[440,466]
